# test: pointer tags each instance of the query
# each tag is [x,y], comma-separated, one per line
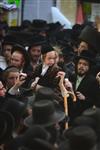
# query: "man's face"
[82,67]
[17,60]
[50,58]
[11,79]
[82,46]
[35,53]
[2,89]
[7,51]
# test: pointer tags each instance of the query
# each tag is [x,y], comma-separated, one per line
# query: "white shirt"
[44,69]
[79,79]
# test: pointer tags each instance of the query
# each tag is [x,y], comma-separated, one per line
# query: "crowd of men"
[49,86]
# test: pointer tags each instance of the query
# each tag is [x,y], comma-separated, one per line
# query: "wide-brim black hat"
[55,27]
[86,55]
[44,113]
[39,25]
[7,125]
[36,40]
[44,93]
[22,37]
[9,39]
[81,137]
[92,1]
[90,35]
[16,108]
[95,114]
[34,132]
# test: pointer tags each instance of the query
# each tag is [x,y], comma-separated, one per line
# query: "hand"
[61,74]
[21,79]
[80,95]
[68,85]
[33,85]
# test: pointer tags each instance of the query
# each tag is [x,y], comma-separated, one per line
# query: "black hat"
[46,48]
[90,35]
[40,144]
[22,37]
[25,24]
[16,108]
[44,93]
[92,1]
[45,114]
[55,27]
[39,25]
[67,51]
[85,120]
[9,39]
[95,114]
[87,55]
[34,132]
[64,37]
[7,126]
[80,138]
[36,40]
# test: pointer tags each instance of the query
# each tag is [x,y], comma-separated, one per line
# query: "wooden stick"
[66,110]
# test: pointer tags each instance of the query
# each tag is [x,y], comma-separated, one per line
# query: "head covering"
[25,139]
[36,40]
[95,114]
[16,108]
[39,25]
[44,113]
[40,144]
[80,138]
[9,39]
[46,48]
[22,37]
[55,27]
[92,1]
[90,35]
[84,120]
[7,125]
[87,55]
[44,93]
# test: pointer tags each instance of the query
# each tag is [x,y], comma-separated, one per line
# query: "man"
[35,50]
[20,59]
[85,85]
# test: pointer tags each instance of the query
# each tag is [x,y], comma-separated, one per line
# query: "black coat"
[49,78]
[89,87]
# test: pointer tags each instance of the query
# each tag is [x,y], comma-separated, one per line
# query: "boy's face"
[50,58]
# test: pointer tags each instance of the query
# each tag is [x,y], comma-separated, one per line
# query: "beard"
[81,72]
